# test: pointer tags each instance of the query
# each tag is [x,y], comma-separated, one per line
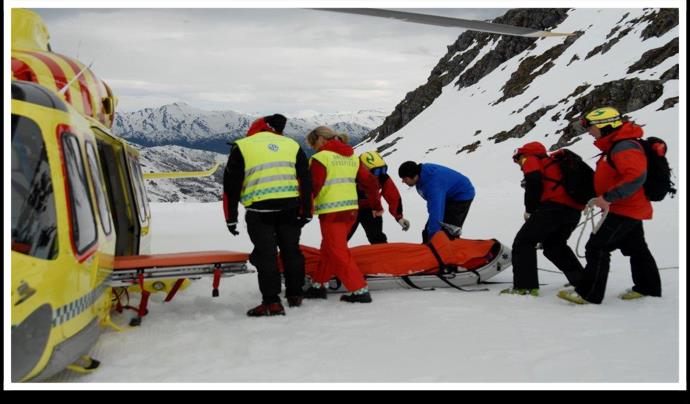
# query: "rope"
[589,215]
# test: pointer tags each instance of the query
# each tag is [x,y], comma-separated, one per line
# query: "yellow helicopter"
[80,219]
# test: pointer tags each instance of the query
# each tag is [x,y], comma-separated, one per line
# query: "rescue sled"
[141,269]
[441,263]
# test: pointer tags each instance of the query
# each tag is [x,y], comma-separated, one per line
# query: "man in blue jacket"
[448,194]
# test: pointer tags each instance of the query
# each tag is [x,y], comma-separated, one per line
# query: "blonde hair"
[326,133]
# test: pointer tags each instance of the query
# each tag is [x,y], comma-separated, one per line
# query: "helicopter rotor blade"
[472,25]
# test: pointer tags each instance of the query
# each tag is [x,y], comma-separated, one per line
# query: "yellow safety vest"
[339,191]
[269,167]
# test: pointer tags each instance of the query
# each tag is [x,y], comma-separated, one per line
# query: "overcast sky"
[255,60]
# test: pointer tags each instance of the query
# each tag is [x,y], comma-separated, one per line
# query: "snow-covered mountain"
[499,88]
[489,95]
[177,158]
[183,125]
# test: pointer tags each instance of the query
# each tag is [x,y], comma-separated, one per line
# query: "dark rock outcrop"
[668,103]
[661,22]
[654,57]
[469,148]
[603,48]
[625,95]
[523,128]
[455,62]
[670,74]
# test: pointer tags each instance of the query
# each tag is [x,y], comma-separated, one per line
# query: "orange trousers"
[335,259]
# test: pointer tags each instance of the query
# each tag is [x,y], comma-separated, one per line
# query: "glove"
[404,223]
[526,216]
[232,228]
[302,221]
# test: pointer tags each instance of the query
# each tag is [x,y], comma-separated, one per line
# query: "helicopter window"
[83,220]
[97,180]
[34,223]
[138,181]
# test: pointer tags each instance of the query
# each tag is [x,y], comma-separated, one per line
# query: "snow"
[404,335]
[444,336]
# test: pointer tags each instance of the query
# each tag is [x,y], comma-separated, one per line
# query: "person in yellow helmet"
[618,182]
[373,226]
[269,174]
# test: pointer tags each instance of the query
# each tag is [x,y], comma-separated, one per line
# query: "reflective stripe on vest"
[339,191]
[269,162]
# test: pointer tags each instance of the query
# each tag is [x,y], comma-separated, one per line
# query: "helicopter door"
[120,195]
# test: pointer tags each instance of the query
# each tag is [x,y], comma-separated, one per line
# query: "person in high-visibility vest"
[335,173]
[373,226]
[269,174]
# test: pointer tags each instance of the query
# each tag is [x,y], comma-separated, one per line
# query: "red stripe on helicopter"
[22,71]
[83,85]
[55,70]
[99,89]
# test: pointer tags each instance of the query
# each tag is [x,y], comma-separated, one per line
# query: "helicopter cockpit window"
[83,220]
[34,223]
[97,180]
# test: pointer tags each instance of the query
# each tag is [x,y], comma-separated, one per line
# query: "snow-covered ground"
[407,336]
[404,336]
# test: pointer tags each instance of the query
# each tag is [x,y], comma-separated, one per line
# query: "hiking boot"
[356,298]
[630,294]
[273,309]
[572,296]
[315,293]
[294,301]
[521,292]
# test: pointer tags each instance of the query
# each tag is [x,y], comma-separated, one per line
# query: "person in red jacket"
[551,215]
[373,225]
[619,187]
[335,171]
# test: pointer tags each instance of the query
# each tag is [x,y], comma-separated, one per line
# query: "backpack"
[374,162]
[577,177]
[658,182]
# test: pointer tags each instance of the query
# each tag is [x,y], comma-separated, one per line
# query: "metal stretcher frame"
[135,269]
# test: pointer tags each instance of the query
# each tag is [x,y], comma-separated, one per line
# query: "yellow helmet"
[602,117]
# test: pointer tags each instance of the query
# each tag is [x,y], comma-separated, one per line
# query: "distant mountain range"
[182,125]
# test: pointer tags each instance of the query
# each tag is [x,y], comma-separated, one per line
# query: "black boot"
[294,301]
[315,293]
[354,298]
[273,309]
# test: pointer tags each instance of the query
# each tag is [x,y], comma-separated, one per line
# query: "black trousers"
[373,226]
[268,231]
[455,213]
[551,225]
[626,234]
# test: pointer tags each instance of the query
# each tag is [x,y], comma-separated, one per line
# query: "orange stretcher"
[460,261]
[135,269]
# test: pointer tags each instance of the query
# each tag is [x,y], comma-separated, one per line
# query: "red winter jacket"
[537,166]
[387,189]
[622,186]
[364,179]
